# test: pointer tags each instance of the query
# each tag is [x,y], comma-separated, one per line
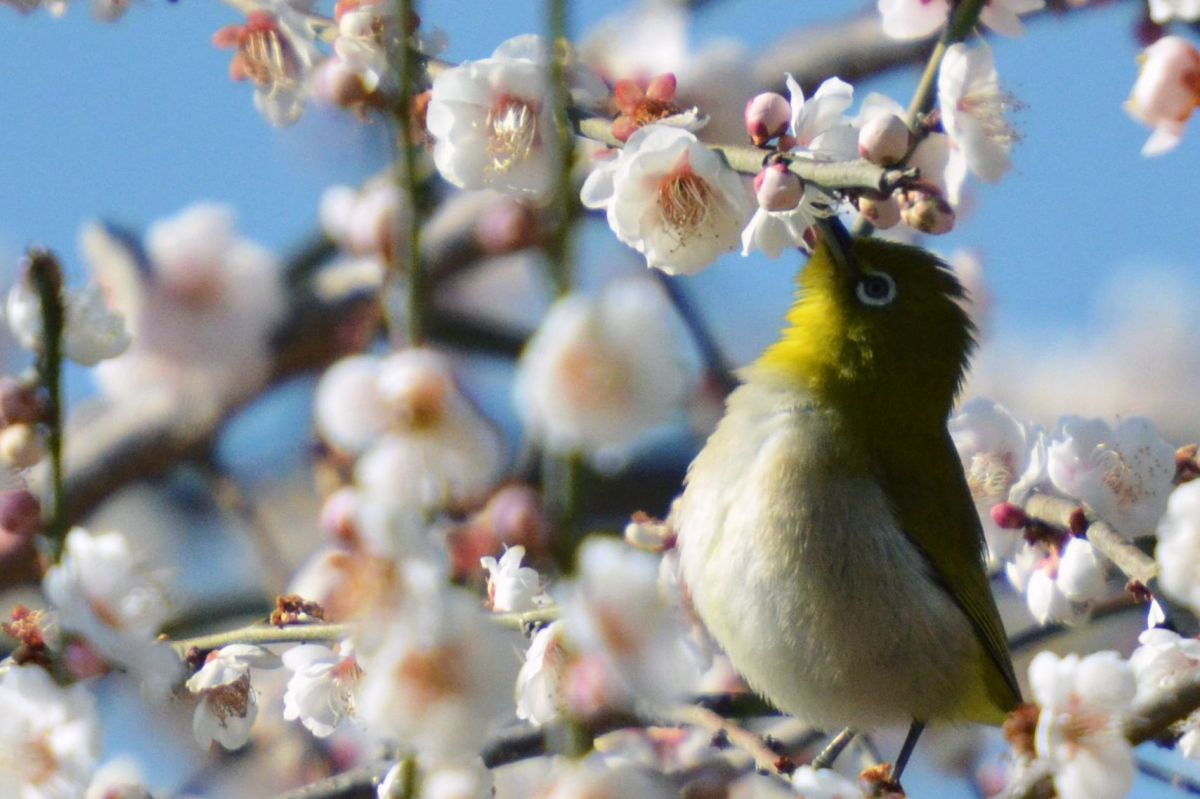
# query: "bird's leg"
[830,753]
[910,743]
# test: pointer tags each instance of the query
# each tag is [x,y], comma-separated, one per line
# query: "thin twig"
[263,634]
[765,758]
[410,186]
[46,275]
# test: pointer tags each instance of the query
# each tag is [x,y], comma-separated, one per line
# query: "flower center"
[987,104]
[267,58]
[990,475]
[1122,479]
[592,380]
[230,700]
[514,133]
[684,199]
[432,675]
[649,110]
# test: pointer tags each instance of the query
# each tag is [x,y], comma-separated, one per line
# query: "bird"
[826,533]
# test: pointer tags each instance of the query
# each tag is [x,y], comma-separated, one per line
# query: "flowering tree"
[447,615]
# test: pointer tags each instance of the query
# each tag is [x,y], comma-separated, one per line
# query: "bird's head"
[878,331]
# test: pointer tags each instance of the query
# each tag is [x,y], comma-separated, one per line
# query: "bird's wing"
[939,516]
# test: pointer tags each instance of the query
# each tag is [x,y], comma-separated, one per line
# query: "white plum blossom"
[617,611]
[1163,11]
[813,783]
[603,372]
[1083,705]
[275,52]
[819,126]
[1166,92]
[423,443]
[787,208]
[49,736]
[1178,549]
[916,19]
[512,588]
[1058,585]
[541,680]
[92,332]
[594,778]
[972,107]
[103,593]
[1124,475]
[322,687]
[998,455]
[1162,660]
[440,675]
[201,302]
[118,779]
[671,198]
[493,121]
[228,703]
[365,29]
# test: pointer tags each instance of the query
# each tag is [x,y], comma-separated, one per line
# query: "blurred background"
[1089,251]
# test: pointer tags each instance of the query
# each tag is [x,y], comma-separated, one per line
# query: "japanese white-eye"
[826,531]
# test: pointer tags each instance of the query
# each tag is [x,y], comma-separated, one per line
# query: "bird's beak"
[840,244]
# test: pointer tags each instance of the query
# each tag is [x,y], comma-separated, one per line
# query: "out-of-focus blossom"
[916,19]
[118,779]
[615,609]
[1163,11]
[366,29]
[228,703]
[512,588]
[824,783]
[540,682]
[441,674]
[275,52]
[1162,660]
[1124,475]
[423,443]
[107,597]
[787,208]
[513,516]
[49,736]
[1166,92]
[596,779]
[1178,549]
[601,373]
[468,780]
[371,221]
[670,198]
[651,102]
[818,123]
[972,107]
[1058,585]
[201,303]
[667,750]
[92,332]
[322,687]
[1083,704]
[998,454]
[21,446]
[494,121]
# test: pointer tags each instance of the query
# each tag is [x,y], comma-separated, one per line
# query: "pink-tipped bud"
[767,116]
[777,189]
[339,513]
[19,404]
[21,446]
[883,140]
[1008,516]
[929,214]
[20,513]
[883,213]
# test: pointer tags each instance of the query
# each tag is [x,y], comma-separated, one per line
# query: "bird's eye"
[876,288]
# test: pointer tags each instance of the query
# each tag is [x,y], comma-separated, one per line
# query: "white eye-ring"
[876,288]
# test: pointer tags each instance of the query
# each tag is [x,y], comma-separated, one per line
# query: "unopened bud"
[21,446]
[929,214]
[777,189]
[19,403]
[1008,516]
[883,212]
[20,513]
[883,140]
[338,520]
[767,116]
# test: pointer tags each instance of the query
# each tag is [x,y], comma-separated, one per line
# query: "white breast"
[804,577]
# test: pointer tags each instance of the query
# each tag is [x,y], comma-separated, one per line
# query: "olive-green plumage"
[839,435]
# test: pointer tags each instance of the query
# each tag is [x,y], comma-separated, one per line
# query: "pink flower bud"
[338,516]
[21,446]
[777,189]
[767,116]
[883,213]
[930,214]
[18,403]
[883,140]
[1167,91]
[1008,516]
[20,513]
